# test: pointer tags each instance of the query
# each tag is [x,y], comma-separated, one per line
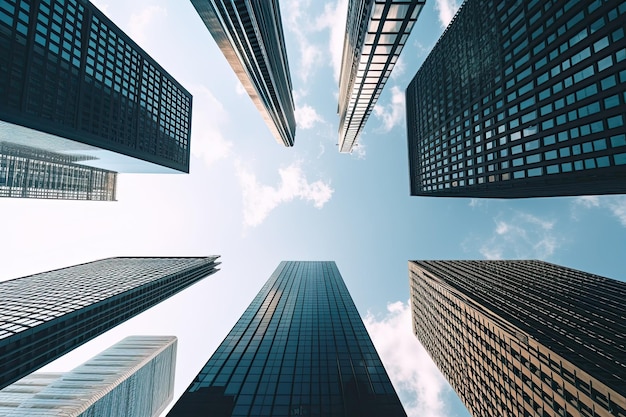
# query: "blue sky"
[256,203]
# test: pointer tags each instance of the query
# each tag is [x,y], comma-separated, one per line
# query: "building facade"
[46,315]
[300,349]
[376,32]
[522,99]
[133,378]
[27,172]
[250,35]
[72,81]
[523,338]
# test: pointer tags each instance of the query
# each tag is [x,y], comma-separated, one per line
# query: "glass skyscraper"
[250,35]
[133,378]
[27,172]
[300,349]
[46,315]
[71,82]
[522,99]
[376,32]
[523,338]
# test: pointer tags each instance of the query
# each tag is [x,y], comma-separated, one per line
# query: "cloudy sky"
[257,203]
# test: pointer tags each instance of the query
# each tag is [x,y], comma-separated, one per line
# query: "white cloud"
[259,200]
[521,235]
[139,22]
[419,383]
[399,68]
[307,117]
[102,6]
[446,9]
[299,24]
[208,142]
[359,149]
[615,204]
[334,19]
[393,113]
[239,89]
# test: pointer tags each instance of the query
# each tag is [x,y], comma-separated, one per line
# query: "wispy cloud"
[259,199]
[420,385]
[359,149]
[399,68]
[615,204]
[393,113]
[334,19]
[307,117]
[140,21]
[446,9]
[102,6]
[299,24]
[521,235]
[208,117]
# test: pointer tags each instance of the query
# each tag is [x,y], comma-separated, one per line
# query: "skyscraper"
[250,35]
[46,315]
[72,82]
[523,338]
[376,32]
[133,378]
[522,99]
[299,349]
[27,172]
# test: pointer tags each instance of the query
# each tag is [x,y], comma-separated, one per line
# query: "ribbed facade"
[46,315]
[522,99]
[68,72]
[133,378]
[523,338]
[250,35]
[376,32]
[27,172]
[300,349]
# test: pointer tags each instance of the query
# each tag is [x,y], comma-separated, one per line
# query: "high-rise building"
[46,315]
[523,338]
[35,173]
[72,82]
[133,378]
[376,32]
[522,99]
[250,35]
[300,349]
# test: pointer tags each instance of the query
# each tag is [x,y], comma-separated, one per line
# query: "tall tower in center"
[300,349]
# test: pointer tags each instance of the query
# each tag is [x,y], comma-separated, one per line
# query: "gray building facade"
[523,338]
[133,378]
[522,99]
[300,349]
[72,82]
[250,35]
[376,32]
[46,315]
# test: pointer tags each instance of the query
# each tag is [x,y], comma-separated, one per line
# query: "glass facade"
[376,32]
[300,349]
[133,378]
[523,338]
[46,315]
[27,172]
[66,70]
[522,99]
[250,35]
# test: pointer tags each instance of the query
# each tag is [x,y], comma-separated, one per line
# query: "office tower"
[133,378]
[300,349]
[72,82]
[522,99]
[35,173]
[250,35]
[376,32]
[523,338]
[46,315]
